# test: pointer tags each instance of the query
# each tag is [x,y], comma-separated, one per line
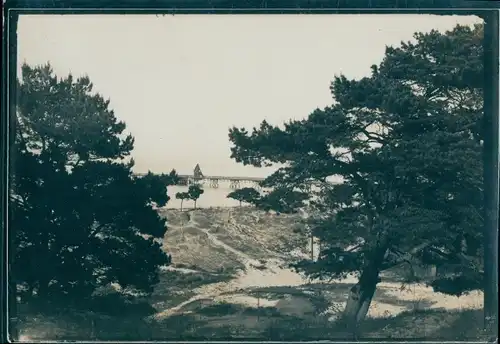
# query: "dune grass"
[175,287]
[227,321]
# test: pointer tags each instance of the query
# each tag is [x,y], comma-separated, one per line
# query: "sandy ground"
[273,274]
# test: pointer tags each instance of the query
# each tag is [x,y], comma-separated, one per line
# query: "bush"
[118,304]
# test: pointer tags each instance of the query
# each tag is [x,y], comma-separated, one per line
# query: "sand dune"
[262,244]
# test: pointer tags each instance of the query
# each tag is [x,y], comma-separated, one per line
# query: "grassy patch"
[422,325]
[224,321]
[177,327]
[175,287]
[116,318]
[225,308]
[221,309]
[195,280]
[433,324]
[261,312]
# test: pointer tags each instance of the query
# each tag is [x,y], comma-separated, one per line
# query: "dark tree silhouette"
[182,196]
[404,144]
[194,193]
[282,200]
[247,195]
[81,218]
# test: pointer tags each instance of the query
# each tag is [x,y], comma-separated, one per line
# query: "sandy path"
[246,260]
[214,289]
[254,275]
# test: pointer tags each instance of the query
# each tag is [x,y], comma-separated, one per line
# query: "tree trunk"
[361,295]
[181,203]
[194,204]
[240,204]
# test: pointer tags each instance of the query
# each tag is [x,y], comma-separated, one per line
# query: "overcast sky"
[179,82]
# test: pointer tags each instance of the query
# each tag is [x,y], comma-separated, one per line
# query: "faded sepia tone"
[338,244]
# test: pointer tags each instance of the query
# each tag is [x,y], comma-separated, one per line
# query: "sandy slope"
[253,247]
[269,239]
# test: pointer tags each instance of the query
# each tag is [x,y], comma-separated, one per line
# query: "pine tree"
[194,193]
[182,196]
[405,144]
[248,195]
[82,219]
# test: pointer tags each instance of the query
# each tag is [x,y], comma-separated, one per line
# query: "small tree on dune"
[182,196]
[194,192]
[247,195]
